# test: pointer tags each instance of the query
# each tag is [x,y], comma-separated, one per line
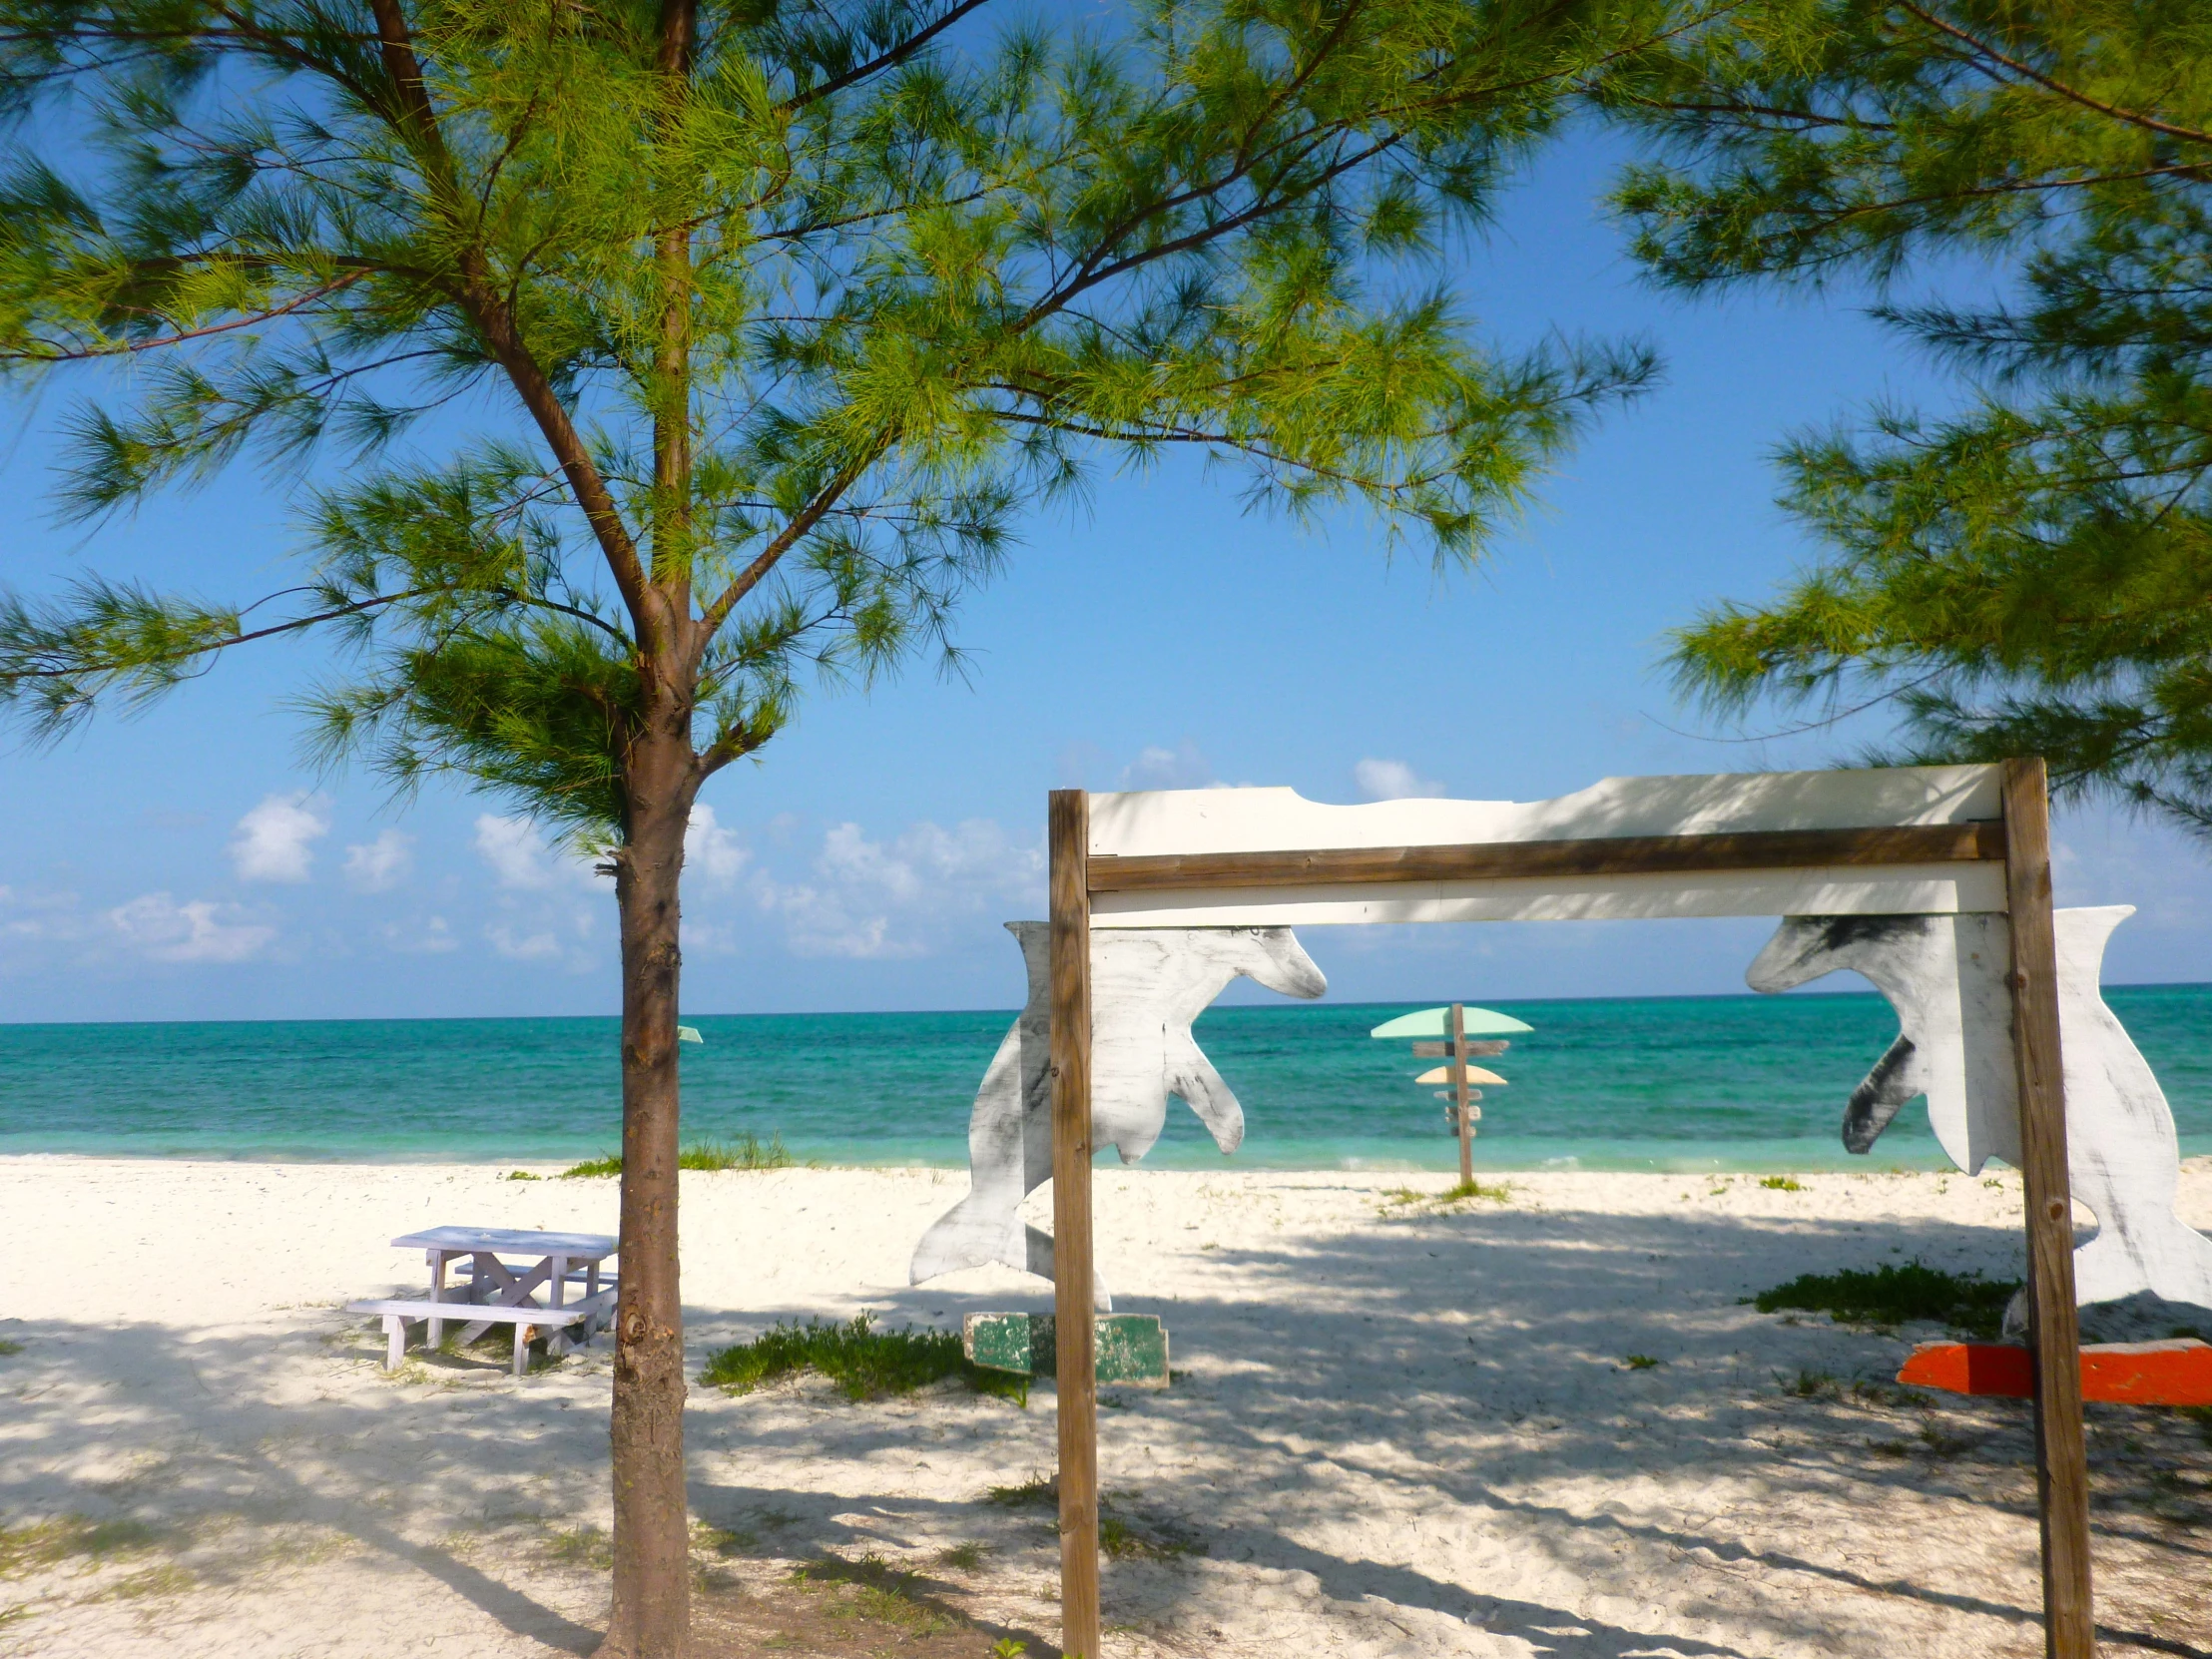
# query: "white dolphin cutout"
[1147,985]
[1945,978]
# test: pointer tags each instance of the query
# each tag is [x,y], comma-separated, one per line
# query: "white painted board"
[1186,822]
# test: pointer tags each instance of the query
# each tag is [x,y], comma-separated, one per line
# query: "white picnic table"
[494,1293]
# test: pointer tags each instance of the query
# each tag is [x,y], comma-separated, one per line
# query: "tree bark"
[652,1577]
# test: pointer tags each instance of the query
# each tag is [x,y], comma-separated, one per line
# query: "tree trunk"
[652,1578]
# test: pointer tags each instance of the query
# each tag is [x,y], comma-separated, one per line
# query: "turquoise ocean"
[1729,1083]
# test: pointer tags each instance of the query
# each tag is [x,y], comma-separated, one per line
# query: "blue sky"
[186,864]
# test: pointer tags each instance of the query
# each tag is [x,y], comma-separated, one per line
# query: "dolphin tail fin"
[1040,1264]
[2182,1268]
[1881,1096]
[2171,1260]
[962,1237]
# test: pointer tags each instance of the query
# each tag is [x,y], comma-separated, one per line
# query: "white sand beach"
[1392,1431]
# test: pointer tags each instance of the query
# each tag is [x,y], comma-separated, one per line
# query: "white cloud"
[160,928]
[522,858]
[270,843]
[871,898]
[711,850]
[381,865]
[428,938]
[1391,780]
[522,947]
[1180,768]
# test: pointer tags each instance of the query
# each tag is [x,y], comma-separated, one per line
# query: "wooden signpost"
[1889,841]
[1466,1095]
[1451,1026]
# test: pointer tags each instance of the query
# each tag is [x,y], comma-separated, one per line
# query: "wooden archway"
[1882,842]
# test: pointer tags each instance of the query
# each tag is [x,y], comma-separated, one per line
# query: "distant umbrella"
[1436,1022]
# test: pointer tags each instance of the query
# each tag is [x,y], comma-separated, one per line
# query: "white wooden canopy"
[1625,848]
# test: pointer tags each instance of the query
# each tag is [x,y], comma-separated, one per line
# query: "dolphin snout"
[1284,968]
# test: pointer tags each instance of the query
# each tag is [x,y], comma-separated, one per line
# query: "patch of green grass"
[874,1590]
[1007,1648]
[722,1541]
[168,1579]
[1039,1491]
[1810,1385]
[7,1348]
[48,1543]
[866,1363]
[1122,1540]
[582,1546]
[745,1152]
[1940,1443]
[1783,1184]
[1892,1294]
[968,1557]
[1641,1362]
[1458,1192]
[521,1175]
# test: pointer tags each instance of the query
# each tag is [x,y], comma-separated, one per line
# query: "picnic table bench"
[494,1293]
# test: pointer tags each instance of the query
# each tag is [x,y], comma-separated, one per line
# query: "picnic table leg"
[558,1281]
[522,1345]
[437,1331]
[395,1340]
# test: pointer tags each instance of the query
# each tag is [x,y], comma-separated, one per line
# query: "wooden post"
[1459,1088]
[2062,1457]
[1068,836]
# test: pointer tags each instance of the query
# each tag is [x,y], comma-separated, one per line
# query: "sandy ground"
[1394,1432]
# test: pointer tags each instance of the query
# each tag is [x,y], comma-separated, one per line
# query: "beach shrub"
[745,1152]
[866,1363]
[594,1167]
[1783,1184]
[1893,1293]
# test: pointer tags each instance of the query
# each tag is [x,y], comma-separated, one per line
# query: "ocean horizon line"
[1796,994]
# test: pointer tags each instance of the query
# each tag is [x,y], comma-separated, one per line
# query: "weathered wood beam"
[1069,838]
[1919,844]
[2054,1332]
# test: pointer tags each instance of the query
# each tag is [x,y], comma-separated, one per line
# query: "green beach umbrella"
[1436,1022]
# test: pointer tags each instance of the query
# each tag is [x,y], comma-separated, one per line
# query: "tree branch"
[766,560]
[2070,94]
[888,60]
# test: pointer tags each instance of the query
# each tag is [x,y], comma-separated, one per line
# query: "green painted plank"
[1436,1022]
[1132,1347]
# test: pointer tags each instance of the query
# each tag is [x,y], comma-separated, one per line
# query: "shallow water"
[1742,1082]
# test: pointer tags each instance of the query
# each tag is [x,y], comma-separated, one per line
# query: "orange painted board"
[2177,1372]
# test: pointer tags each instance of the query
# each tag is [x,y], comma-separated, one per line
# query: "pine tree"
[2032,573]
[632,365]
